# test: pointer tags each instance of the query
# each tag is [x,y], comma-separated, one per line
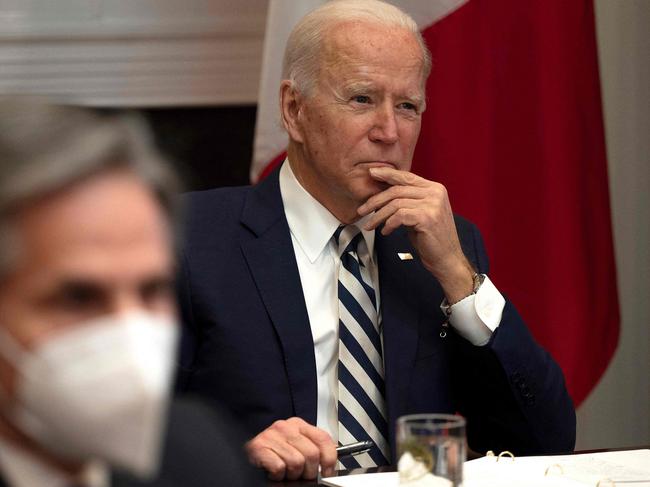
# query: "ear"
[290,110]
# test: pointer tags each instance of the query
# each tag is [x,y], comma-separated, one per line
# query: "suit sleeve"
[511,390]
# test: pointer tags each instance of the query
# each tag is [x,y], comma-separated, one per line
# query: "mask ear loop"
[11,350]
[14,354]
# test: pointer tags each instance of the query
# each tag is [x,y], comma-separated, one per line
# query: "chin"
[369,188]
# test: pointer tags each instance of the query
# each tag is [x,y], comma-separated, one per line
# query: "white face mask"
[99,390]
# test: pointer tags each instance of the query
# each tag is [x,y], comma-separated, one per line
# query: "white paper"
[382,479]
[628,468]
[487,472]
[561,471]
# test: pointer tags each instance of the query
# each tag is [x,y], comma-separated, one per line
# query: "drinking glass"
[431,450]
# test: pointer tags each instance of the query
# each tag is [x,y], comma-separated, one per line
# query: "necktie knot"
[347,238]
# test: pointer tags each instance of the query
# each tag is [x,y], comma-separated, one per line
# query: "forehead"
[96,225]
[363,47]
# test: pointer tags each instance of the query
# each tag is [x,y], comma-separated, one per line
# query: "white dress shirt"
[312,227]
[19,468]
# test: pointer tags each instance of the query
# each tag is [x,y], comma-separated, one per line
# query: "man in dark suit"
[88,332]
[271,296]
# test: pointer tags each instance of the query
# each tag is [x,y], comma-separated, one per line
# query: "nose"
[125,301]
[384,129]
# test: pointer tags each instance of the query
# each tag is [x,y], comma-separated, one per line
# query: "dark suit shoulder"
[210,219]
[215,204]
[253,209]
[216,195]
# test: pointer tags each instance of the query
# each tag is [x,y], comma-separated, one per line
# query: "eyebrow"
[361,87]
[91,284]
[80,283]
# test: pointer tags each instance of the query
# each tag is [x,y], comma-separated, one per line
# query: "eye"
[75,297]
[156,290]
[364,99]
[408,106]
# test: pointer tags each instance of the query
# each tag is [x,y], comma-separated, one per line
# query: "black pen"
[353,448]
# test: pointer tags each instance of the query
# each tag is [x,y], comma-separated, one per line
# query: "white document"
[612,469]
[618,469]
[382,479]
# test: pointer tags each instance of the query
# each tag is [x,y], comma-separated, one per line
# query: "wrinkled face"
[100,247]
[365,111]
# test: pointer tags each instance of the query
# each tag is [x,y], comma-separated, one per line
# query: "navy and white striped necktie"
[362,404]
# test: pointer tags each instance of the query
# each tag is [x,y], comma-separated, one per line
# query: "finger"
[384,213]
[404,216]
[325,444]
[395,176]
[301,447]
[262,456]
[271,462]
[394,192]
[272,443]
[311,458]
[291,446]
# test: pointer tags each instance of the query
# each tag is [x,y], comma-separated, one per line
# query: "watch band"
[477,282]
[446,307]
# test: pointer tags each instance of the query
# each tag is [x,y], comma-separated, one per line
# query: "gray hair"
[302,54]
[45,148]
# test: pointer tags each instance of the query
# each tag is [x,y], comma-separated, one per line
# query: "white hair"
[302,54]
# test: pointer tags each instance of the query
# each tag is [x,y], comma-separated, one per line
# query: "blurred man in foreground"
[87,318]
[342,292]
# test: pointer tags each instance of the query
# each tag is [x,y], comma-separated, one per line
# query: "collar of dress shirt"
[22,469]
[311,224]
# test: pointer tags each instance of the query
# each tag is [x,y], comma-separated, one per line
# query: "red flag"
[513,128]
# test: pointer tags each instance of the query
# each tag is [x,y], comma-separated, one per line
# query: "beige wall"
[618,411]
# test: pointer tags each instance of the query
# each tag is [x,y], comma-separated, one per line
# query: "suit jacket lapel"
[400,315]
[272,263]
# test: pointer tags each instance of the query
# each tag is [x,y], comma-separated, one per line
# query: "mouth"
[370,164]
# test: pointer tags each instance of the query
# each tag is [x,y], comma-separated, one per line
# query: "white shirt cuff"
[477,316]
